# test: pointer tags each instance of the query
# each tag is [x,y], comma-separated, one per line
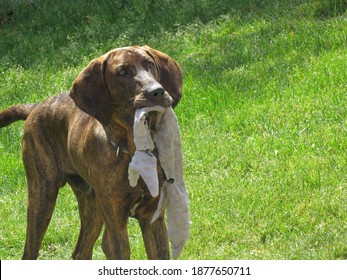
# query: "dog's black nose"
[156,91]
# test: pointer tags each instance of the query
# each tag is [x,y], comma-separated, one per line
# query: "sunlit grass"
[263,121]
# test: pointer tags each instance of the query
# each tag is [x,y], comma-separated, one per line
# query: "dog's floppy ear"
[90,93]
[170,73]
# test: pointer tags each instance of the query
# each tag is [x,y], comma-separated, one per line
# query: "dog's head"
[125,79]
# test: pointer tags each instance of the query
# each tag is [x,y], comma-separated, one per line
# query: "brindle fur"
[84,138]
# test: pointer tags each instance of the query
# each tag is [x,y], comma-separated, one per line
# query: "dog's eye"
[150,64]
[122,72]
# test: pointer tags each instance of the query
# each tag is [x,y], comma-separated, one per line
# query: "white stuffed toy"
[173,195]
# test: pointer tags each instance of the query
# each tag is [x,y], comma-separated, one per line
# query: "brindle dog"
[84,137]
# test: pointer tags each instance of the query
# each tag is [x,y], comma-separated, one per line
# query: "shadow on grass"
[64,32]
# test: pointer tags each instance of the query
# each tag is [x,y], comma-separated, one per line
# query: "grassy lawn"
[263,117]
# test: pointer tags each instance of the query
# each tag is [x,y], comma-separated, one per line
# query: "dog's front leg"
[115,242]
[155,238]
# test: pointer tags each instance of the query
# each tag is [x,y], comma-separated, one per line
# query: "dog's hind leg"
[41,203]
[91,219]
[44,180]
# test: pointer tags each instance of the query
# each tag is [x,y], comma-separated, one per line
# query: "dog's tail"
[15,113]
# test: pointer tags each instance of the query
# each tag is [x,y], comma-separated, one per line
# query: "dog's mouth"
[150,100]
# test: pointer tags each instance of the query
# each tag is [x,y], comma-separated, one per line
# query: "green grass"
[263,118]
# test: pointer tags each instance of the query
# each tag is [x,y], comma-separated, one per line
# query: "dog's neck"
[120,135]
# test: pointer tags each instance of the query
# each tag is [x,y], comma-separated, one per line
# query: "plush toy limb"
[145,164]
[171,159]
